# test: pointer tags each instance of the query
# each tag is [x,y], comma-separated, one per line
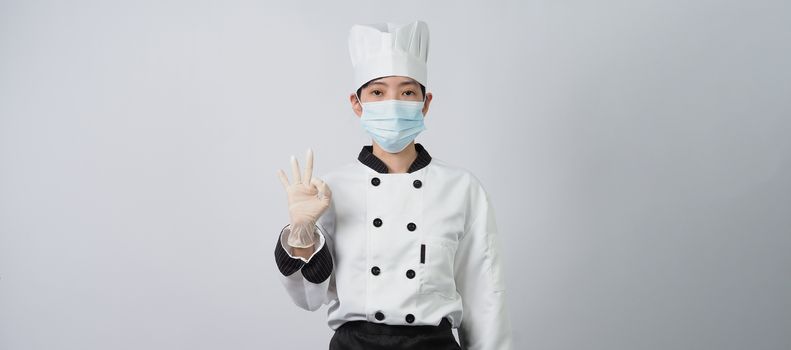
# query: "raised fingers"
[295,170]
[283,178]
[308,167]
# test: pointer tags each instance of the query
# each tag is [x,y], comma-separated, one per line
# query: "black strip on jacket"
[367,157]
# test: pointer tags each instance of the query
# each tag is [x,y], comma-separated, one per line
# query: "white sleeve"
[478,273]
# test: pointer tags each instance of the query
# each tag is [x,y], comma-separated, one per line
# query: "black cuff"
[286,264]
[319,268]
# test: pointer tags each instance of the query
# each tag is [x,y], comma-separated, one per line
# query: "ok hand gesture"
[308,198]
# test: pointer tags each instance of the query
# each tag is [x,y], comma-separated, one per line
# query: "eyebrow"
[408,82]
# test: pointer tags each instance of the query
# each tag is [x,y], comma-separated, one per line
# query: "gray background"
[637,154]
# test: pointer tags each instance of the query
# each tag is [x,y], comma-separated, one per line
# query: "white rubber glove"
[308,198]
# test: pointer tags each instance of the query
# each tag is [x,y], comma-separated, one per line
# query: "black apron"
[357,335]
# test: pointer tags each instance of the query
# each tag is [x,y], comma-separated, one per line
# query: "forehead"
[395,80]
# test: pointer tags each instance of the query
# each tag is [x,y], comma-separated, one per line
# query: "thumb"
[324,191]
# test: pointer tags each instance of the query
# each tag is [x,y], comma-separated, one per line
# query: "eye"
[376,92]
[409,92]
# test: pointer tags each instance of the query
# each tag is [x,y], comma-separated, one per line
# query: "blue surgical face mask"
[393,124]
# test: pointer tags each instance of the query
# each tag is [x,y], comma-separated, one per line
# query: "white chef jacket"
[404,249]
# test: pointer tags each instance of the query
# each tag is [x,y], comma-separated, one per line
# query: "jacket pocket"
[436,267]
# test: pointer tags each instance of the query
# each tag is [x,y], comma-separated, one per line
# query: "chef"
[399,244]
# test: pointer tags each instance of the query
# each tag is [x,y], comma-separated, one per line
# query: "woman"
[404,247]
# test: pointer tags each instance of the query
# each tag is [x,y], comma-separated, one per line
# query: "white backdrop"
[637,154]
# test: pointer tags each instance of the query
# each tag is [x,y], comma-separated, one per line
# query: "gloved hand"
[308,198]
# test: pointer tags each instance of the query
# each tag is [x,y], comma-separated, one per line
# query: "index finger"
[308,167]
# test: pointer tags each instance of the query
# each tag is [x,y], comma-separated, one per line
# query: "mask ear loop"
[362,109]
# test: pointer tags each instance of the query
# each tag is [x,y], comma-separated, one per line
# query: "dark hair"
[422,89]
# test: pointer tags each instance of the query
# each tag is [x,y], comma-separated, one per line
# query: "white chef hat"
[384,49]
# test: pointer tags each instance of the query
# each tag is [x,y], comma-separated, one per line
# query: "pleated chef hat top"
[383,49]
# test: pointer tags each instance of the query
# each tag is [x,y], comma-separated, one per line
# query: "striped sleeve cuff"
[316,269]
[319,267]
[285,263]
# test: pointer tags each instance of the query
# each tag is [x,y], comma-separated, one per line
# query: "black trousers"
[364,335]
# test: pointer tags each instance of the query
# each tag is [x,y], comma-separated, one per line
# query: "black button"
[410,274]
[379,315]
[377,222]
[375,181]
[375,270]
[417,183]
[410,318]
[411,226]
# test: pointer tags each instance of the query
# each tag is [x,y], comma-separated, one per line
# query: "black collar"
[369,159]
